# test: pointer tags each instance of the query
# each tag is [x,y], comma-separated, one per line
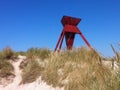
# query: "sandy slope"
[37,85]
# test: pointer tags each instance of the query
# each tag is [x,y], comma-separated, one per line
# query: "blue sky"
[36,23]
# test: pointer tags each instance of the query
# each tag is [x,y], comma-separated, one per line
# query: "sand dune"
[37,85]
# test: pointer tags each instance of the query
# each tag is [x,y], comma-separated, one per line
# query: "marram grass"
[6,68]
[78,69]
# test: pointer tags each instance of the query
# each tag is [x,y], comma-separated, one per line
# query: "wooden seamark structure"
[69,30]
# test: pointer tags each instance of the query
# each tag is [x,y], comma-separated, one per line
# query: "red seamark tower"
[69,30]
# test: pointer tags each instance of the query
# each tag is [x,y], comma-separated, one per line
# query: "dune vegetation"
[6,68]
[77,69]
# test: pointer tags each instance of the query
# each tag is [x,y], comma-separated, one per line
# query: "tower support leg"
[85,40]
[63,34]
[60,41]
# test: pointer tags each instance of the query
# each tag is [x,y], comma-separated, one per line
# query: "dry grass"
[7,53]
[79,69]
[41,53]
[6,68]
[74,65]
[31,67]
[31,72]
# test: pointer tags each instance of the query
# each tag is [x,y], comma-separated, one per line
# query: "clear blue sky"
[36,23]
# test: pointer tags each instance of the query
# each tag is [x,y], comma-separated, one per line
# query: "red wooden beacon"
[69,30]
